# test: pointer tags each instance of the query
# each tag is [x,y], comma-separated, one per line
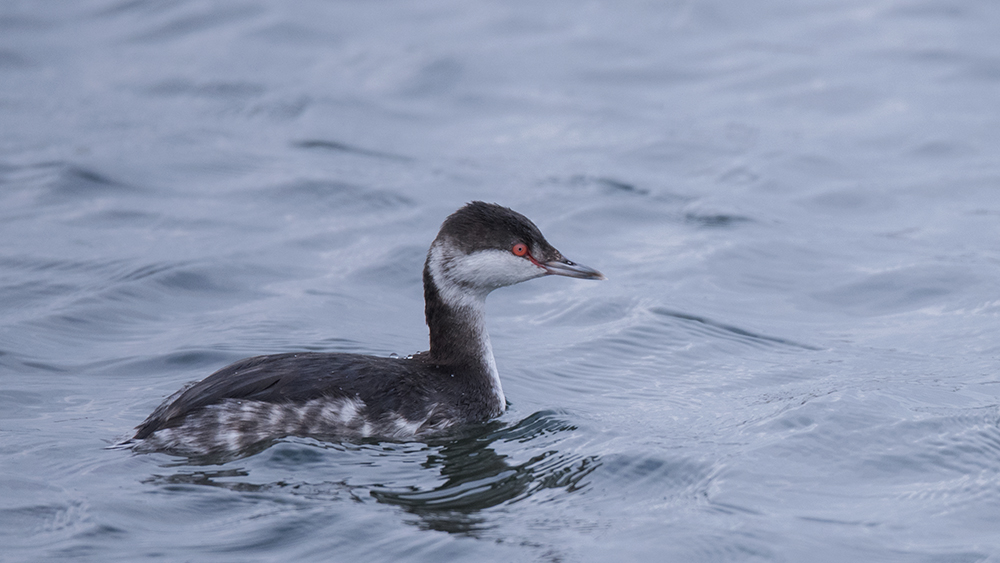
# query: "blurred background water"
[796,204]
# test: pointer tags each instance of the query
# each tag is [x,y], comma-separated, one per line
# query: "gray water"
[796,204]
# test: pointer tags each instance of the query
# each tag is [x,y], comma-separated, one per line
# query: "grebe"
[330,396]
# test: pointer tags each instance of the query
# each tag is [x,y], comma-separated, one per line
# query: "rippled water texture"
[794,357]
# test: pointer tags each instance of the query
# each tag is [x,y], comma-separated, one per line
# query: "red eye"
[520,249]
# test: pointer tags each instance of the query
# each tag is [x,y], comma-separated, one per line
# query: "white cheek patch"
[496,268]
[482,271]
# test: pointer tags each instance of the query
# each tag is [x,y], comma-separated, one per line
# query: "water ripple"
[468,474]
[732,332]
[338,147]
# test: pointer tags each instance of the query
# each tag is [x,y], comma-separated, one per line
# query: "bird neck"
[456,319]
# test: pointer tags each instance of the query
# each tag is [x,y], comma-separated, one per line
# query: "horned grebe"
[480,247]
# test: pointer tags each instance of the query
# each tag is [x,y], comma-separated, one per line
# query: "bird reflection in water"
[477,477]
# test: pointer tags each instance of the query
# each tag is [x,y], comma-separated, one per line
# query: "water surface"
[794,357]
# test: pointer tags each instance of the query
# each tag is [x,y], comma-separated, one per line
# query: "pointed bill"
[572,270]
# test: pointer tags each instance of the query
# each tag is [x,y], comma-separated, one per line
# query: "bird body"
[331,396]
